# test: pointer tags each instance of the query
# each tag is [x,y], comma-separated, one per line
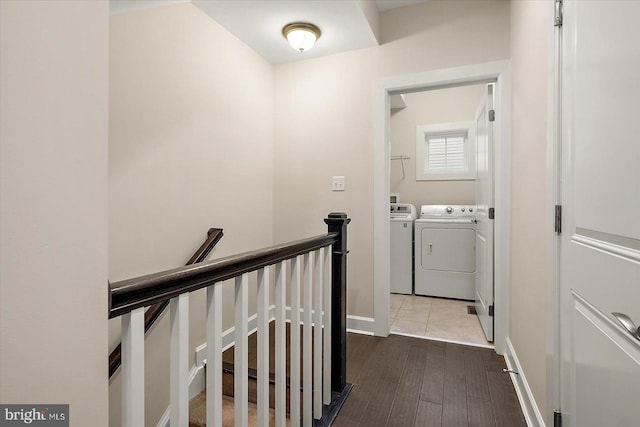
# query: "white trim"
[360,325]
[252,326]
[196,381]
[355,324]
[607,247]
[166,417]
[492,71]
[554,197]
[531,412]
[201,354]
[196,385]
[422,337]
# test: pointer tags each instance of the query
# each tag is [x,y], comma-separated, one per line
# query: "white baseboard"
[196,385]
[529,407]
[355,324]
[360,325]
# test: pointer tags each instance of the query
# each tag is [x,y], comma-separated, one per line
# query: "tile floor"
[438,318]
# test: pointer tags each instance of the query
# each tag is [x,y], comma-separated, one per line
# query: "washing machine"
[445,251]
[401,247]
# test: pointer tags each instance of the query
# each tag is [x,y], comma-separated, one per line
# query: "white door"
[600,239]
[484,200]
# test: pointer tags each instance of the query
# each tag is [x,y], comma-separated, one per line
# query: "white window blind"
[445,152]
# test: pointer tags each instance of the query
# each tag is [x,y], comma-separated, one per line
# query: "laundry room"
[434,244]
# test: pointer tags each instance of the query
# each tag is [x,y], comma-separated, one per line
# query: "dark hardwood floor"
[402,382]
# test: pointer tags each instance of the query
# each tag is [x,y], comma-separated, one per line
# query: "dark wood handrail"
[153,313]
[127,295]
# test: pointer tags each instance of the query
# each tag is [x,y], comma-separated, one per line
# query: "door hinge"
[557,16]
[558,219]
[557,418]
[491,310]
[492,213]
[492,115]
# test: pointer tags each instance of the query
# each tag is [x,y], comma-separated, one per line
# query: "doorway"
[436,164]
[440,79]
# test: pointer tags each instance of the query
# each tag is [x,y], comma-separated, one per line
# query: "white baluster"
[281,345]
[306,342]
[326,388]
[294,365]
[133,368]
[263,348]
[318,270]
[241,359]
[179,370]
[214,356]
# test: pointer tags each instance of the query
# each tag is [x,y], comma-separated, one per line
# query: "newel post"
[337,223]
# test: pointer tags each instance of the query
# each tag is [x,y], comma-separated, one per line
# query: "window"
[445,152]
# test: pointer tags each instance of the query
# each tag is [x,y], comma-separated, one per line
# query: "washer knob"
[449,209]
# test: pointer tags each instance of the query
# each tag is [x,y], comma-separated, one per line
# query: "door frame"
[498,71]
[554,197]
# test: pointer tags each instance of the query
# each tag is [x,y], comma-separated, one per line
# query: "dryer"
[401,247]
[445,251]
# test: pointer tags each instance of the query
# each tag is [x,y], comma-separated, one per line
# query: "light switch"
[338,183]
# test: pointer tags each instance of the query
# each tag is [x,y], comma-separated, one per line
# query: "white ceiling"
[259,24]
[345,24]
[384,5]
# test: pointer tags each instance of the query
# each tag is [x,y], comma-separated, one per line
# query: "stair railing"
[153,313]
[317,278]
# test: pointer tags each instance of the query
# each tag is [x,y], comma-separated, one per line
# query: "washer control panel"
[401,210]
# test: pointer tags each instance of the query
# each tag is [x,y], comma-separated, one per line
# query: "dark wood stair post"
[337,223]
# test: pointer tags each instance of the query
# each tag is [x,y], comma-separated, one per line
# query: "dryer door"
[449,249]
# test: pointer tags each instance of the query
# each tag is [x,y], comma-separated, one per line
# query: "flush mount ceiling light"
[301,36]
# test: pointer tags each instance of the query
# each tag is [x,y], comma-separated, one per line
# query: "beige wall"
[192,127]
[323,113]
[190,147]
[432,107]
[53,204]
[530,22]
